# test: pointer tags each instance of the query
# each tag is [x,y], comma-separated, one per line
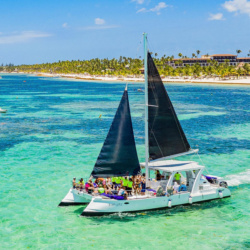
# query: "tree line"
[127,66]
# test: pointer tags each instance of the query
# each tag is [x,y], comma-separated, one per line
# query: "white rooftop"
[173,165]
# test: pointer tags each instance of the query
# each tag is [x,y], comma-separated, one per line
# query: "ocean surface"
[52,133]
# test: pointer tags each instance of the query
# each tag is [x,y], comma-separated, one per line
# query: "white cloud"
[237,6]
[141,10]
[156,9]
[139,1]
[99,21]
[218,16]
[99,27]
[65,25]
[24,36]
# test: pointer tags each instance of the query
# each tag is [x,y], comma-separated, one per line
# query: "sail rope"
[139,47]
[202,162]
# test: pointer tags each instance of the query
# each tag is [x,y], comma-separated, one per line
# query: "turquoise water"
[52,133]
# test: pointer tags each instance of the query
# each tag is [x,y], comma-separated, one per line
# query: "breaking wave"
[238,179]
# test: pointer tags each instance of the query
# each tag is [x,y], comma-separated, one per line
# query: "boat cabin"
[190,173]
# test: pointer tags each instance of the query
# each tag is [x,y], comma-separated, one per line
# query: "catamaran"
[165,140]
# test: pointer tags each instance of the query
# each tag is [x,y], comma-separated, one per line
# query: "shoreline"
[244,81]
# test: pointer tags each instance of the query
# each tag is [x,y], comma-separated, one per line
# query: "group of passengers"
[115,185]
[123,186]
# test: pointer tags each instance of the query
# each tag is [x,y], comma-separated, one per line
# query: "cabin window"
[187,178]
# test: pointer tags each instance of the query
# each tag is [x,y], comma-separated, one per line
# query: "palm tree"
[193,55]
[180,55]
[239,71]
[238,51]
[198,52]
[246,68]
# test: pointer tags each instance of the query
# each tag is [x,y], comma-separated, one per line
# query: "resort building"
[205,60]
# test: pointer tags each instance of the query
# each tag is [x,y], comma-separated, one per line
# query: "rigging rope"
[202,162]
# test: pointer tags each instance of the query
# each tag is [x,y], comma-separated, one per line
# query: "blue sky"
[47,31]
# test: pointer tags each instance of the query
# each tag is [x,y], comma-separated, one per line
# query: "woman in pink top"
[87,187]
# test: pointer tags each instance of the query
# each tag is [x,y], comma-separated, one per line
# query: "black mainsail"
[165,133]
[118,156]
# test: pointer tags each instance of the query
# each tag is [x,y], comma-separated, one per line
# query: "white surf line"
[238,179]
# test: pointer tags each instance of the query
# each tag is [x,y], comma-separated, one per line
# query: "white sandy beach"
[217,80]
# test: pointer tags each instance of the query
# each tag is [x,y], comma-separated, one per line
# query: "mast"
[146,104]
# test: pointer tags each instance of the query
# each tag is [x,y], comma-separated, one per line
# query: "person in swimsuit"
[104,182]
[137,186]
[74,182]
[108,182]
[108,189]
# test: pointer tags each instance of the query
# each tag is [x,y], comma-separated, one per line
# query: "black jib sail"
[166,136]
[118,156]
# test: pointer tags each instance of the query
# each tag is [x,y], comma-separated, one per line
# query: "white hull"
[75,197]
[99,206]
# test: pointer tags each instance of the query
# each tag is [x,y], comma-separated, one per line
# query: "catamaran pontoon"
[75,197]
